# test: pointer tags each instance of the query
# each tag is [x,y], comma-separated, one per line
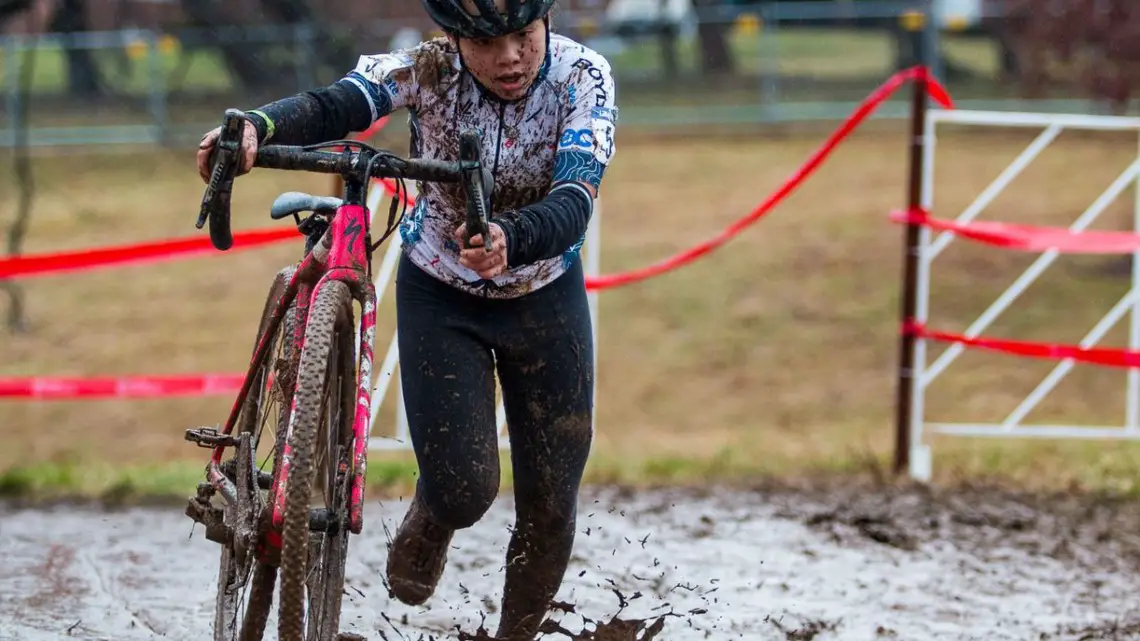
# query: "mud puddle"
[852,565]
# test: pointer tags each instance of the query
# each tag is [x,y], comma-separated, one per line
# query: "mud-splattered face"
[509,64]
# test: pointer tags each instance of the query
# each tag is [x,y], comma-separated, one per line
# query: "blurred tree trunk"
[83,76]
[716,57]
[667,39]
[241,58]
[1081,47]
[1078,48]
[338,55]
[11,8]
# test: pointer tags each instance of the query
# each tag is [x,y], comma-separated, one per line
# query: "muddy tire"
[251,584]
[320,446]
[329,550]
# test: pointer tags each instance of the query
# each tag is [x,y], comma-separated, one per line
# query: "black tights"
[451,343]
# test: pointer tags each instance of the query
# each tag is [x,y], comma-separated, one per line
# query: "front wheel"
[319,450]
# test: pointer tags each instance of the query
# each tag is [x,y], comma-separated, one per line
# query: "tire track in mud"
[104,580]
[847,563]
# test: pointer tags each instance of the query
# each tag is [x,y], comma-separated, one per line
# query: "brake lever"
[216,198]
[470,154]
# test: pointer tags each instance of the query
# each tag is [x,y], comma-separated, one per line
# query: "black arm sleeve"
[318,115]
[547,228]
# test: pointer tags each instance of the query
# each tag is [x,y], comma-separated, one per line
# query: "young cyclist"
[545,106]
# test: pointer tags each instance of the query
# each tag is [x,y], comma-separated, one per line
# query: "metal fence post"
[932,39]
[770,62]
[157,89]
[11,86]
[306,73]
[909,294]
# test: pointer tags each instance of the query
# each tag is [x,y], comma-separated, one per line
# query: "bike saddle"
[292,203]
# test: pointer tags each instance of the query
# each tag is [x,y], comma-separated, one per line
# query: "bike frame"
[342,253]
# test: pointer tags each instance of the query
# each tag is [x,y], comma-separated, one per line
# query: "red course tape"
[1028,237]
[1107,356]
[87,259]
[56,387]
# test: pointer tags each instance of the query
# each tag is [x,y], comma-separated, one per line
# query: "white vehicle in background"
[642,17]
[958,15]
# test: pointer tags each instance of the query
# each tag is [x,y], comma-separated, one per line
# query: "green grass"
[87,479]
[816,52]
[395,475]
[813,64]
[388,475]
[128,72]
[1093,468]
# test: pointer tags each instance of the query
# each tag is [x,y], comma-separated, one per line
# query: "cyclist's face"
[507,65]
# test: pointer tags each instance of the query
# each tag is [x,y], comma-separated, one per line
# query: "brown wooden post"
[909,296]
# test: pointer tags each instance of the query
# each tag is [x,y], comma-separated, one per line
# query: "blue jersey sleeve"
[586,141]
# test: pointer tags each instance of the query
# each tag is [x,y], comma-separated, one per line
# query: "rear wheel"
[320,472]
[246,579]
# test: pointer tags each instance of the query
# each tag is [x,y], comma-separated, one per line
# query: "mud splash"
[803,565]
[615,629]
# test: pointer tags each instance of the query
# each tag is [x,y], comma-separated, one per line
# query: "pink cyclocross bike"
[306,379]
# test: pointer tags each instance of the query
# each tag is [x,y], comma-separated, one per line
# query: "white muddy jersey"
[562,131]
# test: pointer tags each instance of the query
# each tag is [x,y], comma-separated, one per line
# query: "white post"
[1132,395]
[593,265]
[921,465]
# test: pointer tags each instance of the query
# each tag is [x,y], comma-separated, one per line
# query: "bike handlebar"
[355,166]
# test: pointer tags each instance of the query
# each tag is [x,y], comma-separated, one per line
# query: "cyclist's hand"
[248,149]
[486,264]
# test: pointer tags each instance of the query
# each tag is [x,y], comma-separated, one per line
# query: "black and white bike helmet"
[453,19]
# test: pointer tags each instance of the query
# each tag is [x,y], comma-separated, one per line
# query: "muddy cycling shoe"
[417,556]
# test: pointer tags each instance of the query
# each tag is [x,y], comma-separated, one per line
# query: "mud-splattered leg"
[547,378]
[540,546]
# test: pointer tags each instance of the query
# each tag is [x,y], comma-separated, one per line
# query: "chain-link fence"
[677,63]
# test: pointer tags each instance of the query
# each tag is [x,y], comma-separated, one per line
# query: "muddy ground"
[853,563]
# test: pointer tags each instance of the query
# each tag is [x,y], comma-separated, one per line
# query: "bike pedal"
[209,437]
[213,519]
[200,511]
[205,491]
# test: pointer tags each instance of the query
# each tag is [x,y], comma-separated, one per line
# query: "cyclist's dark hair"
[454,19]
